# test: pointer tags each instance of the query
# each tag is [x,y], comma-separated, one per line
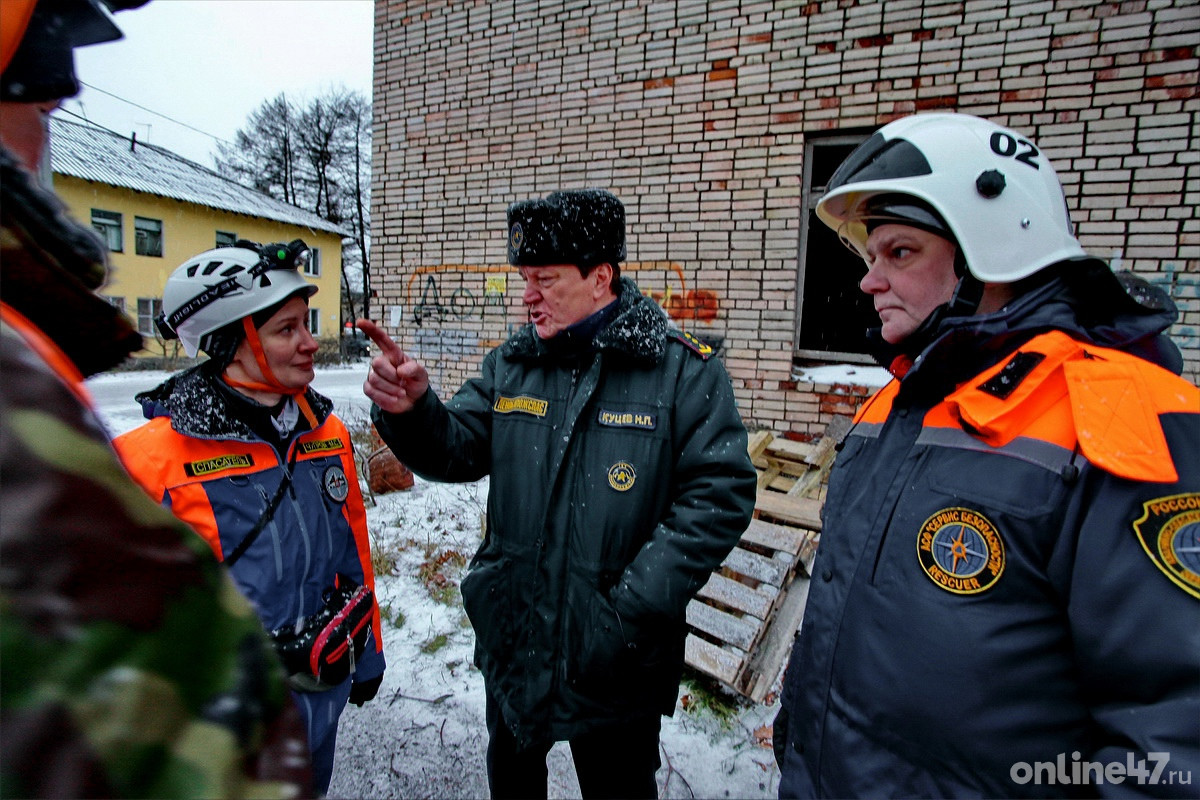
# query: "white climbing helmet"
[994,189]
[217,287]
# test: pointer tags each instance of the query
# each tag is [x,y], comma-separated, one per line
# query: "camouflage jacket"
[132,666]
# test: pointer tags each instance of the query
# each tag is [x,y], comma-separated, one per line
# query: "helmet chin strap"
[269,383]
[968,293]
[966,298]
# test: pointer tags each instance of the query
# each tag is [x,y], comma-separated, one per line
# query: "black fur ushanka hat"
[582,227]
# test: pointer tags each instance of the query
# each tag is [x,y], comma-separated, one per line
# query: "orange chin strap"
[269,383]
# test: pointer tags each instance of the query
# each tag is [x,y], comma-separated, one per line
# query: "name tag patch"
[627,419]
[520,405]
[321,446]
[211,466]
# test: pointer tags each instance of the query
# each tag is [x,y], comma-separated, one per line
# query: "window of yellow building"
[108,225]
[148,236]
[148,309]
[313,267]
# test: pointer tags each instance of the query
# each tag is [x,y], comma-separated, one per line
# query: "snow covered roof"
[96,154]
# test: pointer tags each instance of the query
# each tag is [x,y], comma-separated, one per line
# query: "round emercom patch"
[336,485]
[961,551]
[516,237]
[621,476]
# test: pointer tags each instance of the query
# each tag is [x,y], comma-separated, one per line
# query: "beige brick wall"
[695,114]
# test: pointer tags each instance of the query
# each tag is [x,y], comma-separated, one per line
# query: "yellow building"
[156,209]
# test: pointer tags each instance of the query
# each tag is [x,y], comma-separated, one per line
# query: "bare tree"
[263,155]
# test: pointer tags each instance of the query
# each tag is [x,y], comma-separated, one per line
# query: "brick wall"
[695,115]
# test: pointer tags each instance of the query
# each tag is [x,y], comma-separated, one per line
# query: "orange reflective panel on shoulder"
[1056,389]
[1117,400]
[877,407]
[1023,395]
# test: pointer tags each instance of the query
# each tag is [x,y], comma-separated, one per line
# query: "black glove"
[364,692]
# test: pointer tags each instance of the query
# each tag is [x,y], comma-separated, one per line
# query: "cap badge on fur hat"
[583,227]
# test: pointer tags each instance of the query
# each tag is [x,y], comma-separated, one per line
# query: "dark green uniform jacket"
[619,481]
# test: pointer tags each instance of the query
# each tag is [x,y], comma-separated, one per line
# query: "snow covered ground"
[424,735]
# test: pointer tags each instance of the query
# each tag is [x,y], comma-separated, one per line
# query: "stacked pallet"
[743,620]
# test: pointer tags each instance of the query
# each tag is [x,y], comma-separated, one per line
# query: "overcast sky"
[205,65]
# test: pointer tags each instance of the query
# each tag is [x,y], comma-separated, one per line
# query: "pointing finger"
[386,344]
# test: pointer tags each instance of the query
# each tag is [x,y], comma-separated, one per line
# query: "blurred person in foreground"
[241,448]
[1006,598]
[619,479]
[132,667]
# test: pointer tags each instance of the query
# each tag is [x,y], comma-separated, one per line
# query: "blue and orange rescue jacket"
[198,458]
[1008,575]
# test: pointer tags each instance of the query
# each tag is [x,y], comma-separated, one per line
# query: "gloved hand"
[365,691]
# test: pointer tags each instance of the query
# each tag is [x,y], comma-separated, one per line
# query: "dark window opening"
[833,315]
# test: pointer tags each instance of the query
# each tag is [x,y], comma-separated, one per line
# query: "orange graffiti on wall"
[682,304]
[697,304]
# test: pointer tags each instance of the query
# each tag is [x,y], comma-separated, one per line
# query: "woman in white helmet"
[1009,570]
[242,449]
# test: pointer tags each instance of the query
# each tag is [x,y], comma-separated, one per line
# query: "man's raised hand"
[394,382]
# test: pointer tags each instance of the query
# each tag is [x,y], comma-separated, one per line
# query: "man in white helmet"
[255,461]
[1006,600]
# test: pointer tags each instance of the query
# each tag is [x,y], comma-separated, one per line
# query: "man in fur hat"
[619,481]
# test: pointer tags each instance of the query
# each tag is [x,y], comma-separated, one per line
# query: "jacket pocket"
[613,659]
[487,593]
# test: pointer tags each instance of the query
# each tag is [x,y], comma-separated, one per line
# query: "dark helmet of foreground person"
[37,42]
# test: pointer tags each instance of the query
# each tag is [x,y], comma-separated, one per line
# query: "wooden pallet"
[744,619]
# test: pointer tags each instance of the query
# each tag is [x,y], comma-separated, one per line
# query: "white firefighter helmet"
[993,188]
[217,287]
